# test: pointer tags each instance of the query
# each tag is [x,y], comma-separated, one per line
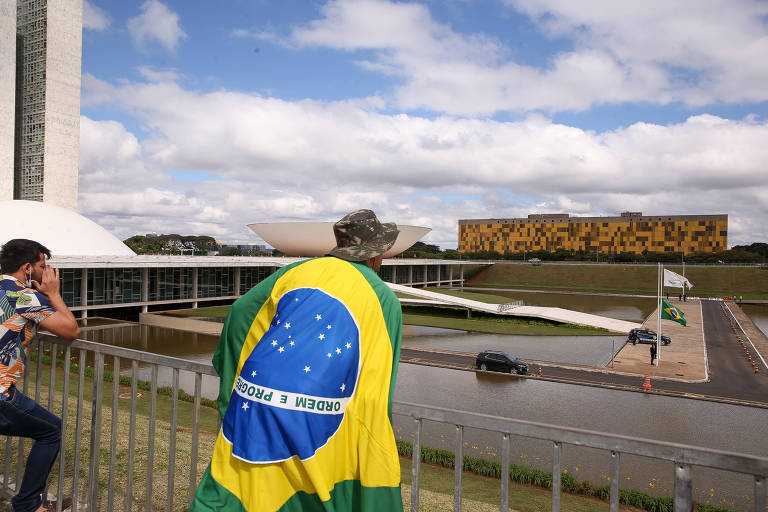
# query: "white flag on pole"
[675,280]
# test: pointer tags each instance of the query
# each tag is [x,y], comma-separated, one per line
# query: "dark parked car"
[646,336]
[498,361]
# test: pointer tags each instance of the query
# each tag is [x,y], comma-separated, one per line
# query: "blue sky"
[200,120]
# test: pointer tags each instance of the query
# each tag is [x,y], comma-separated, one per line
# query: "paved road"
[732,377]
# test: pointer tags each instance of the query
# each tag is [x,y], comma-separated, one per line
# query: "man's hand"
[50,282]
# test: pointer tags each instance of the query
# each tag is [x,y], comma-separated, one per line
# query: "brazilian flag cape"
[307,361]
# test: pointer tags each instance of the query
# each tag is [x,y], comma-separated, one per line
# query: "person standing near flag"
[308,360]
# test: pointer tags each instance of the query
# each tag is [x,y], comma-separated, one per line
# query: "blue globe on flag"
[290,396]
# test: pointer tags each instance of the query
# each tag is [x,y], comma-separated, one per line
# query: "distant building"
[40,58]
[631,232]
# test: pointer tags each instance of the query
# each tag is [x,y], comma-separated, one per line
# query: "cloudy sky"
[199,119]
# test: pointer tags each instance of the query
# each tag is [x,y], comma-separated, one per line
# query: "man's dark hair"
[19,251]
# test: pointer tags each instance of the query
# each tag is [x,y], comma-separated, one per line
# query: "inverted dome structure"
[317,238]
[62,231]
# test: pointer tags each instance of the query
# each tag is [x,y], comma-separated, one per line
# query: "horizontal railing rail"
[117,459]
[683,456]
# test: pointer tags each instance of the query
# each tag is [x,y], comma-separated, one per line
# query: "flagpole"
[660,279]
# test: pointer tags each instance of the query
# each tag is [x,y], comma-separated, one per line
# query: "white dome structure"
[317,238]
[62,231]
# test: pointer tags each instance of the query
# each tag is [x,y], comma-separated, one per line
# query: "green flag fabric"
[307,360]
[670,312]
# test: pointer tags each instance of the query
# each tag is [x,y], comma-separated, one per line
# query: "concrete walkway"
[555,314]
[683,359]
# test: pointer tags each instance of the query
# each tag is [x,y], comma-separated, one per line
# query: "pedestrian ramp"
[511,309]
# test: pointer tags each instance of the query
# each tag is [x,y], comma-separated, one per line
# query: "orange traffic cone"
[647,383]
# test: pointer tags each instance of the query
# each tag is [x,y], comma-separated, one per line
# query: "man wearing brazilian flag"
[307,361]
[670,312]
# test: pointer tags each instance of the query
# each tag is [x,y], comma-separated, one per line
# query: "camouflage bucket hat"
[360,236]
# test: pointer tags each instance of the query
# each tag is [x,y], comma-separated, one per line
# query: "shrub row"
[540,478]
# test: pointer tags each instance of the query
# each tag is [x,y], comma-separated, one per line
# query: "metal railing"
[114,455]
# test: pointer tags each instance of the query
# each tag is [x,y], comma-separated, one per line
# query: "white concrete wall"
[7,95]
[62,102]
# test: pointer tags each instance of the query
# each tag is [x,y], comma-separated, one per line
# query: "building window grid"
[169,284]
[251,276]
[215,282]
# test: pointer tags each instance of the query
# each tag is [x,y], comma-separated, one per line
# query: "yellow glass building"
[631,232]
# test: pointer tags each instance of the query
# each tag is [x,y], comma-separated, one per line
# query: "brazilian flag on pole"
[670,312]
[307,360]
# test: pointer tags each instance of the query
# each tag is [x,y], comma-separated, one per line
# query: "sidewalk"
[684,359]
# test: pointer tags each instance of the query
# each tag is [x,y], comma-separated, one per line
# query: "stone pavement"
[684,359]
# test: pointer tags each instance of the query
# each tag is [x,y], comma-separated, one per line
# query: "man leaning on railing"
[29,298]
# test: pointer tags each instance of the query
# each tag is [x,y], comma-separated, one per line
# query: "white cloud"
[622,52]
[156,23]
[159,75]
[94,18]
[278,160]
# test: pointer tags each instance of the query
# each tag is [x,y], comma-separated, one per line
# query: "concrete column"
[84,292]
[194,286]
[144,289]
[461,274]
[410,275]
[237,281]
[450,275]
[438,274]
[426,274]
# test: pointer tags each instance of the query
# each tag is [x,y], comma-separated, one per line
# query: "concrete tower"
[47,100]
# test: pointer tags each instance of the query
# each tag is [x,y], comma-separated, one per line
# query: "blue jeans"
[22,416]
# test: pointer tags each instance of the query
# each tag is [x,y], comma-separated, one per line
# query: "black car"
[646,336]
[498,361]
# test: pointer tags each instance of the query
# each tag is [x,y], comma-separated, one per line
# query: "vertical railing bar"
[614,507]
[78,428]
[95,446]
[458,467]
[556,477]
[416,467]
[760,493]
[505,473]
[113,432]
[38,370]
[51,389]
[151,438]
[20,443]
[131,439]
[52,376]
[172,443]
[195,429]
[64,418]
[7,464]
[683,487]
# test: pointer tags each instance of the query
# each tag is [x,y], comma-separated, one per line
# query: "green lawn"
[716,281]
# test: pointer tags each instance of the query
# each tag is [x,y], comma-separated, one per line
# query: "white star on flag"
[318,316]
[274,343]
[329,354]
[287,325]
[281,350]
[307,369]
[328,326]
[338,350]
[343,387]
[245,406]
[253,373]
[292,343]
[321,337]
[348,345]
